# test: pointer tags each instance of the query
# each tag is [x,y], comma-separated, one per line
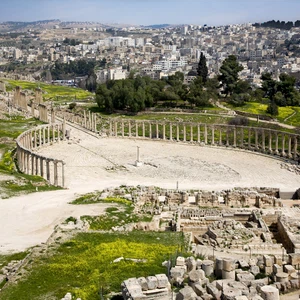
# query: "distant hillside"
[158,26]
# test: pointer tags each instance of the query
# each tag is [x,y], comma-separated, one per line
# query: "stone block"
[191,264]
[143,283]
[198,289]
[277,269]
[278,260]
[267,261]
[208,267]
[292,276]
[187,293]
[222,284]
[268,270]
[228,264]
[152,282]
[294,259]
[269,292]
[212,290]
[243,263]
[230,293]
[241,298]
[176,272]
[289,269]
[162,281]
[245,277]
[196,275]
[228,275]
[254,270]
[180,261]
[282,277]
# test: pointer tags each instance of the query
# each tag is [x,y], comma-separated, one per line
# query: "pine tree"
[202,70]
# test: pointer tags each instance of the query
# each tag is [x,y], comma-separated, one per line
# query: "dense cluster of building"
[161,52]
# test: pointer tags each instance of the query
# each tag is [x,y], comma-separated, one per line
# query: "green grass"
[122,214]
[51,92]
[6,259]
[20,183]
[84,265]
[283,112]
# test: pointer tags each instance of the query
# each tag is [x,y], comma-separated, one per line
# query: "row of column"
[259,139]
[50,169]
[33,164]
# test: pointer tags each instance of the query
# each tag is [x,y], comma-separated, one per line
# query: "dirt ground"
[95,163]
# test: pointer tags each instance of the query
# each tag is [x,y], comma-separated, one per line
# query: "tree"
[272,109]
[269,86]
[202,70]
[229,74]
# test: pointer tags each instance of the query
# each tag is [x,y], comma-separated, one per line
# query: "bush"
[239,121]
[72,105]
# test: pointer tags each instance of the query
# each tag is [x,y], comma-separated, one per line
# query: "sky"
[146,12]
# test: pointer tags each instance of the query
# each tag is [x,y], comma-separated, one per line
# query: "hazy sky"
[145,12]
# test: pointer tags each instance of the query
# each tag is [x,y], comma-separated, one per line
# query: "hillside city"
[155,52]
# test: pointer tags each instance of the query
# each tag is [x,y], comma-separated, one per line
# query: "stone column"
[198,134]
[192,134]
[95,123]
[184,132]
[63,174]
[55,173]
[177,132]
[290,147]
[32,164]
[157,130]
[234,136]
[256,138]
[227,136]
[270,142]
[64,129]
[283,145]
[84,118]
[205,134]
[52,116]
[48,134]
[164,131]
[295,148]
[276,143]
[42,166]
[212,135]
[89,121]
[36,165]
[143,126]
[122,128]
[48,170]
[53,134]
[242,137]
[28,162]
[129,128]
[136,129]
[150,130]
[116,129]
[110,128]
[171,133]
[58,132]
[220,137]
[263,138]
[40,137]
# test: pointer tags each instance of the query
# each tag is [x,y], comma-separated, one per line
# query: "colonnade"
[34,164]
[263,140]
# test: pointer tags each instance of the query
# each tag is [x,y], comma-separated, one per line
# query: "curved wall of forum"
[262,140]
[32,163]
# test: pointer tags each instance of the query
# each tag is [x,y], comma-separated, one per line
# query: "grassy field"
[18,182]
[289,115]
[84,265]
[58,94]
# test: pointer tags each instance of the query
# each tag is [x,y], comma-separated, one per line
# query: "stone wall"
[31,163]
